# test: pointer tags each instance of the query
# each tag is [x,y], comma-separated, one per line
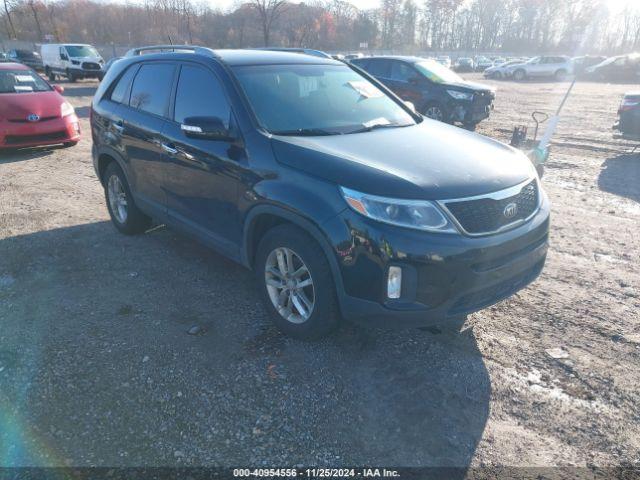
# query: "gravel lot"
[97,367]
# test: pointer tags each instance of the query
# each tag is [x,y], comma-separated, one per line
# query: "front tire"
[435,112]
[125,215]
[560,75]
[50,75]
[296,283]
[519,75]
[71,77]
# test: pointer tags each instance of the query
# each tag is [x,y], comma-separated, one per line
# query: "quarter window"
[200,94]
[119,94]
[152,87]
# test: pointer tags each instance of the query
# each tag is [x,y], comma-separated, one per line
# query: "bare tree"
[268,11]
[12,31]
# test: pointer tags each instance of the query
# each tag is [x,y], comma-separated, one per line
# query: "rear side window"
[200,94]
[401,72]
[152,87]
[119,94]
[379,68]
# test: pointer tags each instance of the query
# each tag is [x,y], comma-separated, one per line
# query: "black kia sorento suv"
[343,201]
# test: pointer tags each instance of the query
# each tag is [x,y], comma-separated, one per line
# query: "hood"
[469,86]
[516,65]
[16,106]
[88,59]
[431,161]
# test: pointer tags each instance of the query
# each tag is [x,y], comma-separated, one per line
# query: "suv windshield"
[26,54]
[81,51]
[437,73]
[21,81]
[317,100]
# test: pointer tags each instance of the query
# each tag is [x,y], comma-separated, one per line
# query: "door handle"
[118,126]
[169,149]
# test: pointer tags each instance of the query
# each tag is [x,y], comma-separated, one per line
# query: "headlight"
[417,214]
[460,95]
[66,109]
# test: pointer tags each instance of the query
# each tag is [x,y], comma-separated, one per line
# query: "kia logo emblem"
[33,117]
[510,210]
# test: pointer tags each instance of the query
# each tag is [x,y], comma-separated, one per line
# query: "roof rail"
[172,48]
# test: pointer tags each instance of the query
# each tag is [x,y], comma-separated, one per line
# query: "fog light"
[394,282]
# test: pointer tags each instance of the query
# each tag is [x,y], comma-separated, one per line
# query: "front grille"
[24,120]
[483,98]
[487,215]
[45,137]
[90,66]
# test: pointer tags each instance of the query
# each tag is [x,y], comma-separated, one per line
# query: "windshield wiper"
[368,128]
[306,132]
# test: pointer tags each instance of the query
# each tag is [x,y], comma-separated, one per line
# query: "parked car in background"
[498,61]
[71,60]
[343,201]
[557,67]
[26,57]
[3,57]
[482,63]
[306,51]
[580,64]
[623,68]
[628,124]
[436,91]
[464,64]
[32,112]
[444,60]
[352,56]
[500,71]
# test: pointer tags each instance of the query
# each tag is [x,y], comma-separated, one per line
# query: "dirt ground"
[97,367]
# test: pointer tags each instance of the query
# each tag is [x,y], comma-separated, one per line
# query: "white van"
[71,60]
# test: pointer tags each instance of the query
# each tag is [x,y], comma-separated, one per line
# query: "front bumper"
[85,73]
[444,276]
[50,132]
[471,112]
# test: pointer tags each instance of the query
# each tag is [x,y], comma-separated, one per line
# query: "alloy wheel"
[117,199]
[289,285]
[434,113]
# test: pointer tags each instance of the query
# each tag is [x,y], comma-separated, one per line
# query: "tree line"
[528,26]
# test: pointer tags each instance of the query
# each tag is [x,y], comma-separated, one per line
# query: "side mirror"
[59,89]
[63,57]
[209,128]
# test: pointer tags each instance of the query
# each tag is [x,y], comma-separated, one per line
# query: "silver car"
[558,67]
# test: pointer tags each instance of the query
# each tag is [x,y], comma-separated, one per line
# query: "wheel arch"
[262,218]
[104,157]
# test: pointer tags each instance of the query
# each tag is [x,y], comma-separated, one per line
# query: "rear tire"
[126,217]
[470,126]
[302,305]
[69,144]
